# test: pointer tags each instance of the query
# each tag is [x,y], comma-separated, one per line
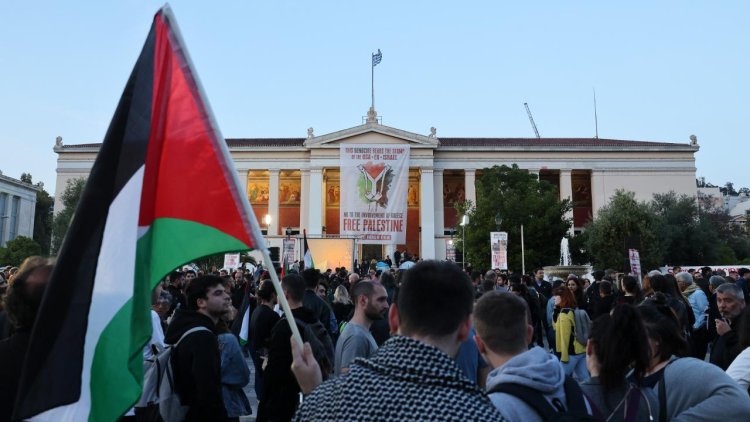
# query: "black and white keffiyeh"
[406,380]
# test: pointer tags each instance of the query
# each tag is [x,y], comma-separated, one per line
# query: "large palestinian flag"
[162,192]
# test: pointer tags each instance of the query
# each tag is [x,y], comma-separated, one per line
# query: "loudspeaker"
[275,253]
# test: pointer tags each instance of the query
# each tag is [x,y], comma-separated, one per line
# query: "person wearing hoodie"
[196,360]
[502,335]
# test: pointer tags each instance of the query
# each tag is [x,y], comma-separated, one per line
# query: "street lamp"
[464,223]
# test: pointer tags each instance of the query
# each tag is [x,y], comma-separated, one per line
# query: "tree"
[518,197]
[18,249]
[61,221]
[26,178]
[684,237]
[621,219]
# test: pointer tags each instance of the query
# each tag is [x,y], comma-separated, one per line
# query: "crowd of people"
[435,342]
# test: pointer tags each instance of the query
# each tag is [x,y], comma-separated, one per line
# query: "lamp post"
[464,223]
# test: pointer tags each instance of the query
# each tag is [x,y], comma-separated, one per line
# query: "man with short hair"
[281,395]
[370,304]
[592,296]
[413,375]
[698,304]
[542,286]
[196,361]
[503,333]
[743,280]
[606,299]
[731,302]
[318,306]
[174,288]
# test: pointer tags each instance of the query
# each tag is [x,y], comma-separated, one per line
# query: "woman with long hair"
[617,344]
[575,286]
[687,388]
[572,353]
[342,304]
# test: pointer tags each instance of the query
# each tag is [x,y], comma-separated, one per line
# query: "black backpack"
[320,343]
[574,410]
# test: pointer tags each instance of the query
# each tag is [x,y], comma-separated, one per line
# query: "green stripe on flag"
[117,367]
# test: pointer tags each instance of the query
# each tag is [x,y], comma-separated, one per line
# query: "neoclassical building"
[297,180]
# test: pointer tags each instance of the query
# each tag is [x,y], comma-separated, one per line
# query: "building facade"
[297,180]
[17,208]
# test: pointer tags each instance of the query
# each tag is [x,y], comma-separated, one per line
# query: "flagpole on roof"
[376,58]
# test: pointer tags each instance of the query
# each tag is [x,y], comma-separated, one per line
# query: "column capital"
[470,171]
[438,171]
[427,170]
[566,170]
[276,170]
[316,170]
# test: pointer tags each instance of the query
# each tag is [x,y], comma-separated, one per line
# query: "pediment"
[372,133]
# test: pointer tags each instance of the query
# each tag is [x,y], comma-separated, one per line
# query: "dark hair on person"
[557,283]
[199,287]
[567,299]
[22,300]
[311,278]
[265,290]
[476,275]
[294,286]
[434,299]
[630,284]
[488,285]
[527,279]
[620,343]
[190,271]
[744,330]
[520,288]
[500,320]
[598,275]
[605,287]
[663,327]
[660,284]
[174,276]
[387,279]
[362,288]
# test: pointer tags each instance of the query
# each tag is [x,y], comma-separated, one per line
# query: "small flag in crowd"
[130,229]
[308,260]
[376,58]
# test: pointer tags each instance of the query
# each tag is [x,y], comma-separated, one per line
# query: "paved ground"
[250,392]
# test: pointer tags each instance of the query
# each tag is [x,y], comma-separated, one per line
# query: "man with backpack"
[282,391]
[195,360]
[525,384]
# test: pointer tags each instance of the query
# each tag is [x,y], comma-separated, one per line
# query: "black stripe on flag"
[54,361]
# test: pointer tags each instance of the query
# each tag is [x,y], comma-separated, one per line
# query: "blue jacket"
[235,374]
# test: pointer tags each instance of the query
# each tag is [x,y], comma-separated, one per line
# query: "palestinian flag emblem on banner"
[134,224]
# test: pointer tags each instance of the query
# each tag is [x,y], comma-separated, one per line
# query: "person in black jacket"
[318,306]
[281,396]
[196,361]
[731,301]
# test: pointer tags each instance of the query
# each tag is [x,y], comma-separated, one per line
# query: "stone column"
[439,206]
[566,191]
[315,210]
[273,201]
[304,200]
[426,214]
[242,174]
[598,196]
[470,178]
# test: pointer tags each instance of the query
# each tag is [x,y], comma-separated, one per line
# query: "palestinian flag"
[308,259]
[133,225]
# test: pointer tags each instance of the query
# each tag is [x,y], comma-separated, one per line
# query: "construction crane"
[531,119]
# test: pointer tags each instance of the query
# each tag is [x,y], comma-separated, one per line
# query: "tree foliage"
[671,229]
[519,198]
[18,249]
[622,219]
[61,221]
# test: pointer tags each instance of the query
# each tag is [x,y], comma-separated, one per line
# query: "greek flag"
[376,58]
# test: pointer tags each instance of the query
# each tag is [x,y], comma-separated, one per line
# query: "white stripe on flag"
[113,287]
[245,328]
